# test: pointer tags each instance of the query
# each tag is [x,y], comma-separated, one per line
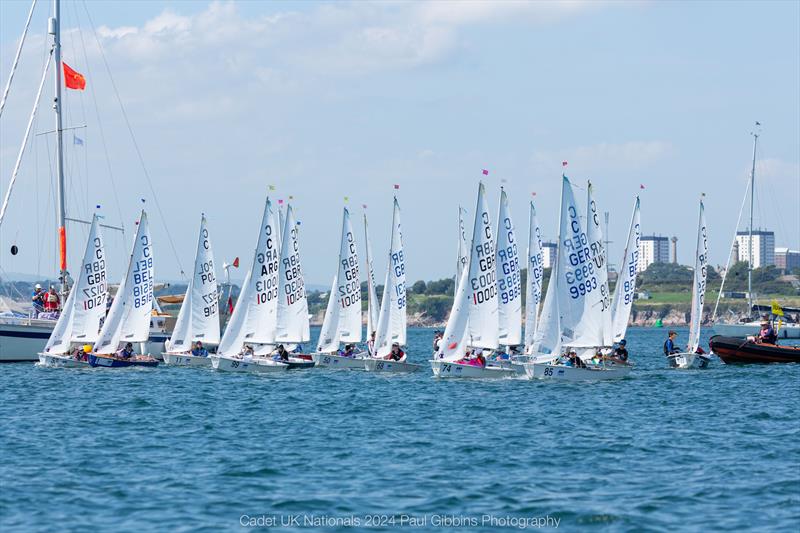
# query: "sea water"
[196,450]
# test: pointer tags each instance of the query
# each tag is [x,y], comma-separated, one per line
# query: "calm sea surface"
[194,450]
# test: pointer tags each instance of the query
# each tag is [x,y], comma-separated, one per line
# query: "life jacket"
[51,302]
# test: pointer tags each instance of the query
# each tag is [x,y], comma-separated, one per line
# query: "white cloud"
[606,156]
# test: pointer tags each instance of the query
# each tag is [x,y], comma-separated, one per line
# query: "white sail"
[198,319]
[349,287]
[128,320]
[293,326]
[482,279]
[699,283]
[392,319]
[509,283]
[547,338]
[329,334]
[579,298]
[372,296]
[626,279]
[254,318]
[456,337]
[599,254]
[86,304]
[280,225]
[533,285]
[463,248]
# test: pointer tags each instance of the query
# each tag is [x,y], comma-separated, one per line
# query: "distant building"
[652,249]
[763,247]
[786,259]
[549,253]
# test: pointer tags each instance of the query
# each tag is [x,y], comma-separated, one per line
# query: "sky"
[331,100]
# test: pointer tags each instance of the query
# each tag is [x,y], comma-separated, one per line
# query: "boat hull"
[338,362]
[300,363]
[688,360]
[570,373]
[732,350]
[390,367]
[113,362]
[61,361]
[786,331]
[443,369]
[261,366]
[185,359]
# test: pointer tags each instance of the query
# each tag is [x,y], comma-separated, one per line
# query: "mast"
[750,231]
[54,28]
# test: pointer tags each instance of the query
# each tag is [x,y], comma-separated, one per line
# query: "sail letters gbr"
[95,272]
[580,274]
[293,284]
[484,284]
[350,287]
[510,282]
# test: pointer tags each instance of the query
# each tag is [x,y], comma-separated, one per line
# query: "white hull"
[786,331]
[688,360]
[185,359]
[394,367]
[571,373]
[442,369]
[229,364]
[338,362]
[515,366]
[61,361]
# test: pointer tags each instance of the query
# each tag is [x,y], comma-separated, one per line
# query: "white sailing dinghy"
[198,319]
[293,328]
[581,301]
[690,358]
[128,320]
[342,322]
[473,319]
[391,328]
[253,322]
[372,295]
[84,309]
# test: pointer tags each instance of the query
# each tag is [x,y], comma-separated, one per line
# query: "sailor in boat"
[126,352]
[349,350]
[766,335]
[396,354]
[51,303]
[669,344]
[371,343]
[246,353]
[38,300]
[81,352]
[620,353]
[281,354]
[571,359]
[437,338]
[473,358]
[198,350]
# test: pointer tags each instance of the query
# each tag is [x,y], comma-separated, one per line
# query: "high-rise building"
[786,259]
[652,249]
[763,247]
[549,254]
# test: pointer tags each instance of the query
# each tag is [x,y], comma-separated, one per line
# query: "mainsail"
[198,319]
[86,304]
[533,285]
[626,279]
[392,319]
[372,297]
[482,279]
[128,320]
[547,338]
[699,283]
[293,326]
[599,255]
[509,283]
[254,318]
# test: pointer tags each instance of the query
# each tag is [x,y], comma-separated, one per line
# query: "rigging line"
[80,96]
[135,144]
[16,58]
[100,127]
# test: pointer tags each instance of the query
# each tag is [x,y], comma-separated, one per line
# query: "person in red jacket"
[51,300]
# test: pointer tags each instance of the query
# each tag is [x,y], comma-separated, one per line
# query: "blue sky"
[346,99]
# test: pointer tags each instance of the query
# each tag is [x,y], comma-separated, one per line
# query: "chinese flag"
[73,79]
[236,263]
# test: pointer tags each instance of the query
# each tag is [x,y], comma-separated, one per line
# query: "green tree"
[418,287]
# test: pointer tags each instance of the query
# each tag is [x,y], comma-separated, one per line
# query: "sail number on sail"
[580,275]
[399,271]
[267,286]
[484,284]
[599,257]
[95,277]
[702,260]
[207,277]
[629,284]
[536,266]
[509,284]
[350,291]
[293,285]
[143,276]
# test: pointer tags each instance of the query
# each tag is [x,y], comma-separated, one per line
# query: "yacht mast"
[750,231]
[54,28]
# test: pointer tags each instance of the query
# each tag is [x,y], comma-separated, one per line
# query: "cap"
[37,286]
[623,342]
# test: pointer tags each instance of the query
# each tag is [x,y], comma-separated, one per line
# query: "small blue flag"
[77,140]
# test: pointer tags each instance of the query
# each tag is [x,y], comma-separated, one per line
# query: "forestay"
[293,326]
[597,248]
[392,319]
[86,304]
[579,296]
[254,318]
[198,319]
[533,284]
[128,320]
[626,281]
[699,283]
[372,297]
[509,283]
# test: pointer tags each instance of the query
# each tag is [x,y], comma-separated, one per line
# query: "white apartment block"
[652,249]
[763,247]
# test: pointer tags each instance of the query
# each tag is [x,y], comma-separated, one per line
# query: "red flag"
[396,186]
[236,263]
[641,186]
[73,79]
[485,172]
[563,163]
[230,305]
